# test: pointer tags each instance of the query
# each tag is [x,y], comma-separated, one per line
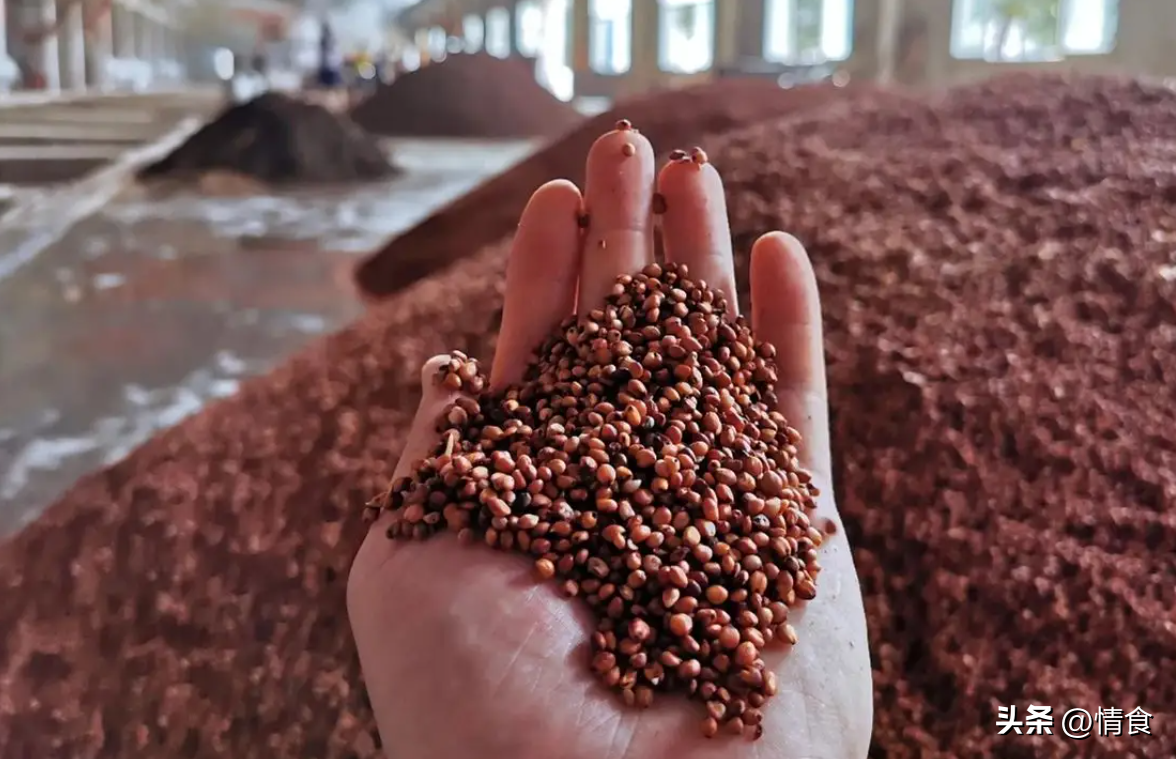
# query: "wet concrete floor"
[154,307]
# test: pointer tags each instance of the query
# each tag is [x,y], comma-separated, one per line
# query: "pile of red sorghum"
[642,465]
[490,212]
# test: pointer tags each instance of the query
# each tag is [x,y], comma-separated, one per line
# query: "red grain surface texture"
[467,95]
[671,119]
[999,287]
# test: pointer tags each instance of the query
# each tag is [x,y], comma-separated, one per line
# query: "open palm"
[465,655]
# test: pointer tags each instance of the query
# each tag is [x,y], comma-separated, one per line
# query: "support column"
[879,52]
[147,45]
[163,46]
[142,43]
[645,72]
[42,15]
[921,32]
[728,17]
[6,65]
[123,23]
[512,33]
[71,39]
[3,31]
[144,52]
[749,34]
[579,20]
[99,46]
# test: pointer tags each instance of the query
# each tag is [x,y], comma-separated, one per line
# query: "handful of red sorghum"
[641,464]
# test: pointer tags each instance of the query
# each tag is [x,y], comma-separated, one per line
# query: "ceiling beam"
[427,13]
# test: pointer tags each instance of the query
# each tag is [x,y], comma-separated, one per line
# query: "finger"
[786,311]
[619,199]
[540,277]
[422,442]
[423,436]
[694,226]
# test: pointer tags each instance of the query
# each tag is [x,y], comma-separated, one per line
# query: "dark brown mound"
[674,118]
[475,95]
[278,140]
[1001,329]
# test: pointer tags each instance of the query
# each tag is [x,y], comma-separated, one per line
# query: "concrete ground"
[154,306]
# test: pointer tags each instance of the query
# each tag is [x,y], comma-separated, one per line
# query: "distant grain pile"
[276,140]
[999,290]
[475,95]
[674,118]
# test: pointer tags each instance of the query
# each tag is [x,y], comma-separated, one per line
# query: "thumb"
[444,379]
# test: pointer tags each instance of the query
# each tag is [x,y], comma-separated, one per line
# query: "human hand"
[465,655]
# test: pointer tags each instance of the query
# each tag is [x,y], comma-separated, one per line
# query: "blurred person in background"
[366,75]
[383,67]
[330,71]
[260,62]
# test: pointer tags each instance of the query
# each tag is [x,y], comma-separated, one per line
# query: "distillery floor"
[152,307]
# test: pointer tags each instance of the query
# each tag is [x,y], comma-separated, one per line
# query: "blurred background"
[582,48]
[232,230]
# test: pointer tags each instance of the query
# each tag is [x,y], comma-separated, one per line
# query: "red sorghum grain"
[998,302]
[642,444]
[484,96]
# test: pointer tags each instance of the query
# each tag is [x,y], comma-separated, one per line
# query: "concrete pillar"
[728,18]
[143,41]
[749,35]
[123,23]
[99,47]
[42,15]
[71,41]
[3,32]
[165,41]
[645,72]
[923,47]
[163,44]
[512,34]
[9,73]
[579,21]
[880,51]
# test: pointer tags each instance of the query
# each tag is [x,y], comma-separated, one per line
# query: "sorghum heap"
[642,466]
